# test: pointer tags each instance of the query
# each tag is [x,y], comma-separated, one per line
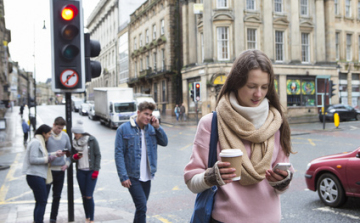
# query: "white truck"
[114,106]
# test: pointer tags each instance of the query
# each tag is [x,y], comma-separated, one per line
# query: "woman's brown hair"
[238,76]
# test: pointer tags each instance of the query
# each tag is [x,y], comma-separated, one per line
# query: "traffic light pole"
[324,104]
[70,180]
[197,112]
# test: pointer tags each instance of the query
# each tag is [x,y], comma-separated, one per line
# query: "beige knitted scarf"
[49,178]
[233,127]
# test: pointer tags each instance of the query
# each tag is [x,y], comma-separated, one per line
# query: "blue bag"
[204,201]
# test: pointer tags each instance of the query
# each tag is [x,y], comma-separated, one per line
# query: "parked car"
[335,177]
[91,113]
[345,112]
[84,108]
[76,103]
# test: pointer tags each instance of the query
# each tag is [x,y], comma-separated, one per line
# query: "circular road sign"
[69,78]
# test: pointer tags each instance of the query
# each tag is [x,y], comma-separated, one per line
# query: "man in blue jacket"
[136,155]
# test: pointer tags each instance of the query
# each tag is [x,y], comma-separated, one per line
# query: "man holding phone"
[58,140]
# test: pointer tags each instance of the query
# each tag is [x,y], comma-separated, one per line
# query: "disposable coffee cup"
[234,157]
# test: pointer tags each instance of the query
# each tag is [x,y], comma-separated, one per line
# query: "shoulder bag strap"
[214,137]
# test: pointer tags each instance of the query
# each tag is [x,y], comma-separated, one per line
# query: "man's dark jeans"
[38,186]
[140,194]
[58,183]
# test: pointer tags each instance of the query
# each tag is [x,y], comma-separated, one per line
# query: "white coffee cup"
[234,157]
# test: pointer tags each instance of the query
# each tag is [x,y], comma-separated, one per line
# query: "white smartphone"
[282,166]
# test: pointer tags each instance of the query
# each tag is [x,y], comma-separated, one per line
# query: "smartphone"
[151,121]
[282,166]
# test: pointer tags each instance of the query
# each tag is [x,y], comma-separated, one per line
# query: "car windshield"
[125,107]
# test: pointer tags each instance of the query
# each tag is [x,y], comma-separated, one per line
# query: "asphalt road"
[171,201]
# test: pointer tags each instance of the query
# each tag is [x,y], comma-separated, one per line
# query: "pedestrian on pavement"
[250,118]
[58,140]
[36,167]
[22,110]
[87,158]
[26,129]
[136,173]
[11,105]
[182,112]
[177,112]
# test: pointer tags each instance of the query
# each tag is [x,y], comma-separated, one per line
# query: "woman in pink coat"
[249,118]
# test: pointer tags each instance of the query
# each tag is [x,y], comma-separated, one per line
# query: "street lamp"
[338,67]
[33,120]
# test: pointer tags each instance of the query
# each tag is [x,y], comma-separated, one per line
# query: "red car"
[335,177]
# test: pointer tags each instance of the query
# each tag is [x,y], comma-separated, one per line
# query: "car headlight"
[308,166]
[332,110]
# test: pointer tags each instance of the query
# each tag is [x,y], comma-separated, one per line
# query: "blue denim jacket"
[128,150]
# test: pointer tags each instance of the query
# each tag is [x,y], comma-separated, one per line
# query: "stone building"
[102,25]
[346,19]
[5,69]
[298,37]
[154,49]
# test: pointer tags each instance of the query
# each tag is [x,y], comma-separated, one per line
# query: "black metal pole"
[70,180]
[324,104]
[197,111]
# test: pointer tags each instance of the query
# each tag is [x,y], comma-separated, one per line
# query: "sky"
[25,19]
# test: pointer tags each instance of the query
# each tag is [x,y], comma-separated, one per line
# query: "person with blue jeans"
[36,167]
[177,112]
[58,140]
[87,158]
[139,136]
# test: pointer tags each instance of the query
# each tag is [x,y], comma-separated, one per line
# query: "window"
[336,5]
[162,31]
[223,43]
[163,59]
[163,91]
[154,32]
[278,5]
[358,15]
[337,46]
[202,47]
[348,47]
[147,36]
[147,62]
[279,45]
[250,4]
[135,69]
[155,62]
[304,7]
[222,3]
[155,92]
[359,47]
[305,47]
[251,38]
[348,8]
[301,91]
[141,65]
[140,38]
[135,44]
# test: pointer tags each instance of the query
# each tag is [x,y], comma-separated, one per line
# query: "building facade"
[102,25]
[5,69]
[298,37]
[154,49]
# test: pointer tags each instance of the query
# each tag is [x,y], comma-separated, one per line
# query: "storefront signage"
[293,87]
[220,79]
[308,87]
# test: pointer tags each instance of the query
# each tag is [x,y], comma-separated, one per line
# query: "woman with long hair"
[36,167]
[250,118]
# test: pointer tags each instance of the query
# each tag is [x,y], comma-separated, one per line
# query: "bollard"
[336,120]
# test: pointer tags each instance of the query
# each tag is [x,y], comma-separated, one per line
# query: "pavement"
[11,143]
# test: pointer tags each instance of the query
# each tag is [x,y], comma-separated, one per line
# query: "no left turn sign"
[69,78]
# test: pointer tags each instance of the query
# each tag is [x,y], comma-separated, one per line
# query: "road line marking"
[186,146]
[176,188]
[311,142]
[162,219]
[10,175]
[328,209]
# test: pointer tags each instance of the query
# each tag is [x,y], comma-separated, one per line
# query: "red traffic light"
[69,12]
[197,86]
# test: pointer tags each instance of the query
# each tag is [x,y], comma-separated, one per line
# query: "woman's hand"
[59,153]
[276,176]
[226,173]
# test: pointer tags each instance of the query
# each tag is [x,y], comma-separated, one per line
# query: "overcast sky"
[25,19]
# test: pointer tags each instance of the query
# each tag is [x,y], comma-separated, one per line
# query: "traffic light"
[332,89]
[92,49]
[192,94]
[197,91]
[67,42]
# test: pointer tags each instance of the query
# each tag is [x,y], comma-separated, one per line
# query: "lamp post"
[338,67]
[34,118]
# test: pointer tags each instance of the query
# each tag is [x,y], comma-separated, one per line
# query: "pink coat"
[234,202]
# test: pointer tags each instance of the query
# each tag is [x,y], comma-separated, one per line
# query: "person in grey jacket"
[36,167]
[87,158]
[58,140]
[136,155]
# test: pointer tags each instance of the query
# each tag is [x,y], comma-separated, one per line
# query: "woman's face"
[77,135]
[46,135]
[255,89]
